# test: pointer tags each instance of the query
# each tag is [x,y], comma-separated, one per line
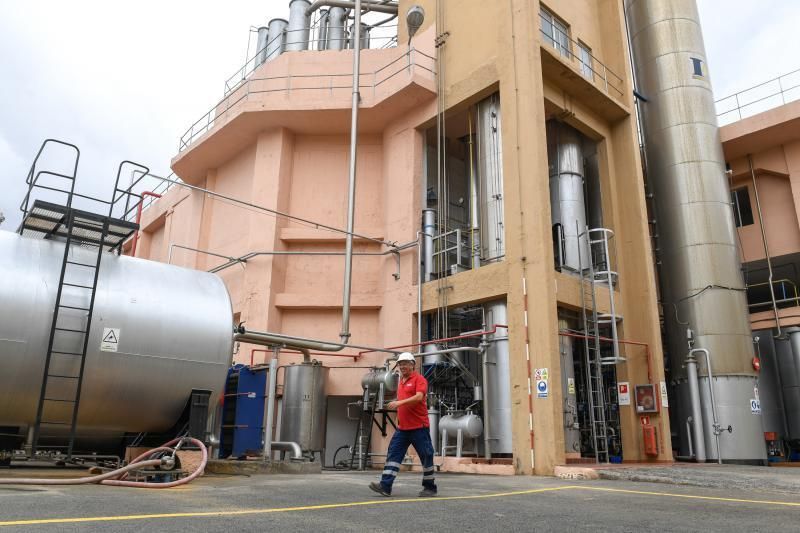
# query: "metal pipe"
[419,287]
[697,411]
[766,247]
[270,399]
[711,394]
[487,441]
[324,21]
[428,231]
[368,5]
[689,432]
[243,259]
[351,194]
[288,446]
[288,341]
[316,225]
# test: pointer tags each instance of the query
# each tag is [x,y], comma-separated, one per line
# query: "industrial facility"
[579,259]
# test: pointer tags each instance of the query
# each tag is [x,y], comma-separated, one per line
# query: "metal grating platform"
[46,220]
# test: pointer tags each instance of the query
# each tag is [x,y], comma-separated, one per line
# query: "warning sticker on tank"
[664,397]
[110,340]
[755,406]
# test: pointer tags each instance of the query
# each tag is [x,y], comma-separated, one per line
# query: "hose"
[116,477]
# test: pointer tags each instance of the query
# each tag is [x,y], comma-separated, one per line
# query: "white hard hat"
[406,356]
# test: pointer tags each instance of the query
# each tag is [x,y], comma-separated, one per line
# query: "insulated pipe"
[322,39]
[297,32]
[288,341]
[766,247]
[288,446]
[272,386]
[487,441]
[351,193]
[428,231]
[711,394]
[336,25]
[419,287]
[689,432]
[368,5]
[697,411]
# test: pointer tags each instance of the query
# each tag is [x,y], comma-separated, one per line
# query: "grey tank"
[498,393]
[304,414]
[702,281]
[174,327]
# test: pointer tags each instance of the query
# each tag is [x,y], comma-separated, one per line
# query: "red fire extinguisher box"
[649,439]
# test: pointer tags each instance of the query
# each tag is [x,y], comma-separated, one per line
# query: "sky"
[124,80]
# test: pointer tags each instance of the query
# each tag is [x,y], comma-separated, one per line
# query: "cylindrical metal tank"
[498,383]
[322,37]
[174,334]
[770,392]
[277,38]
[701,276]
[261,45]
[490,171]
[572,433]
[567,204]
[433,421]
[365,29]
[789,362]
[471,425]
[429,232]
[373,379]
[304,412]
[297,31]
[433,358]
[336,28]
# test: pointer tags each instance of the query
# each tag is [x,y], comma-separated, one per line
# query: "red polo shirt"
[412,416]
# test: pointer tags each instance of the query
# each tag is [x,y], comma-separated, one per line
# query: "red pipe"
[620,341]
[139,209]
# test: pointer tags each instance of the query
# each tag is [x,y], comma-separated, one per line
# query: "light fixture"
[414,18]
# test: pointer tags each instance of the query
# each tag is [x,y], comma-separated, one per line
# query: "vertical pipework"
[702,280]
[336,25]
[322,39]
[261,45]
[277,38]
[696,438]
[351,193]
[428,232]
[297,32]
[270,399]
[766,246]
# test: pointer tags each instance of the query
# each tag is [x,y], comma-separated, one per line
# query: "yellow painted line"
[273,510]
[688,496]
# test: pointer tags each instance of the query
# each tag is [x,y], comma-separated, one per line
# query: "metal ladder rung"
[89,287]
[49,423]
[70,330]
[58,400]
[61,377]
[74,307]
[66,353]
[81,264]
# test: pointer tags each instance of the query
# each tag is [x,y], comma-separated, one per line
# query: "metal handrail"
[737,97]
[609,78]
[206,122]
[796,298]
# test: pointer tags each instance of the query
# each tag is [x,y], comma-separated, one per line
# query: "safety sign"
[624,393]
[110,340]
[541,388]
[755,406]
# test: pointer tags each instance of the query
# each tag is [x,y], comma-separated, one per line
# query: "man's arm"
[417,398]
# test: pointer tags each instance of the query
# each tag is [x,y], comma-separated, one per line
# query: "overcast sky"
[124,80]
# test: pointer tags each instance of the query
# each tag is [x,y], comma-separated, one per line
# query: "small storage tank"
[373,379]
[304,412]
[470,425]
[434,357]
[174,334]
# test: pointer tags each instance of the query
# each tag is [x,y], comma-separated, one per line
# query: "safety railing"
[451,253]
[589,66]
[786,295]
[406,62]
[315,41]
[759,98]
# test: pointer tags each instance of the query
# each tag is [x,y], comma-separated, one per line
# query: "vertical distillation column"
[703,286]
[498,382]
[568,208]
[261,45]
[490,170]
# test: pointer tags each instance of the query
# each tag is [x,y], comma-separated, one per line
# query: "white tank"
[470,425]
[173,327]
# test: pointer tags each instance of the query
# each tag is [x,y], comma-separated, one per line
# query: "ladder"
[65,363]
[596,269]
[363,440]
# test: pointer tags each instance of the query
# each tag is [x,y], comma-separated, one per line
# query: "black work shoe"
[377,487]
[427,493]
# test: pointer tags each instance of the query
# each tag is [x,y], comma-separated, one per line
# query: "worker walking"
[412,429]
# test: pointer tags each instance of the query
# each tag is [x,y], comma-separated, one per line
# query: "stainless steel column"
[261,45]
[297,32]
[697,437]
[490,171]
[498,383]
[336,27]
[277,38]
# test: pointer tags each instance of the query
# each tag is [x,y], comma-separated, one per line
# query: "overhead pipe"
[269,423]
[367,5]
[351,194]
[766,248]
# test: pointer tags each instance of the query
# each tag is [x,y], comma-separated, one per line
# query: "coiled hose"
[117,477]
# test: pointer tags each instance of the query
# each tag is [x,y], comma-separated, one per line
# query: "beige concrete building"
[514,123]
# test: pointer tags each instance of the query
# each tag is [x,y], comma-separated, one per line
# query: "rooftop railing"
[589,66]
[759,98]
[406,62]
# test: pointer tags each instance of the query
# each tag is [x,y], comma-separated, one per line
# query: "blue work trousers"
[401,440]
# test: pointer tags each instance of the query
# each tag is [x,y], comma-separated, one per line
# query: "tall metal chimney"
[703,289]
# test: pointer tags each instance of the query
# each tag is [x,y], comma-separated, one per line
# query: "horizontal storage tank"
[174,329]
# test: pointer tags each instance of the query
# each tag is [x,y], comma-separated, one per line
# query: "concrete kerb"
[260,467]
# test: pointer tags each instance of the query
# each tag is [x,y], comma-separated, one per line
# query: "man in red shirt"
[412,429]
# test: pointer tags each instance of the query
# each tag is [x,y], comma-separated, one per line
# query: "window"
[585,58]
[555,32]
[742,212]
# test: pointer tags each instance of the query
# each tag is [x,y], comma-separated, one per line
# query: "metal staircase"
[596,270]
[86,236]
